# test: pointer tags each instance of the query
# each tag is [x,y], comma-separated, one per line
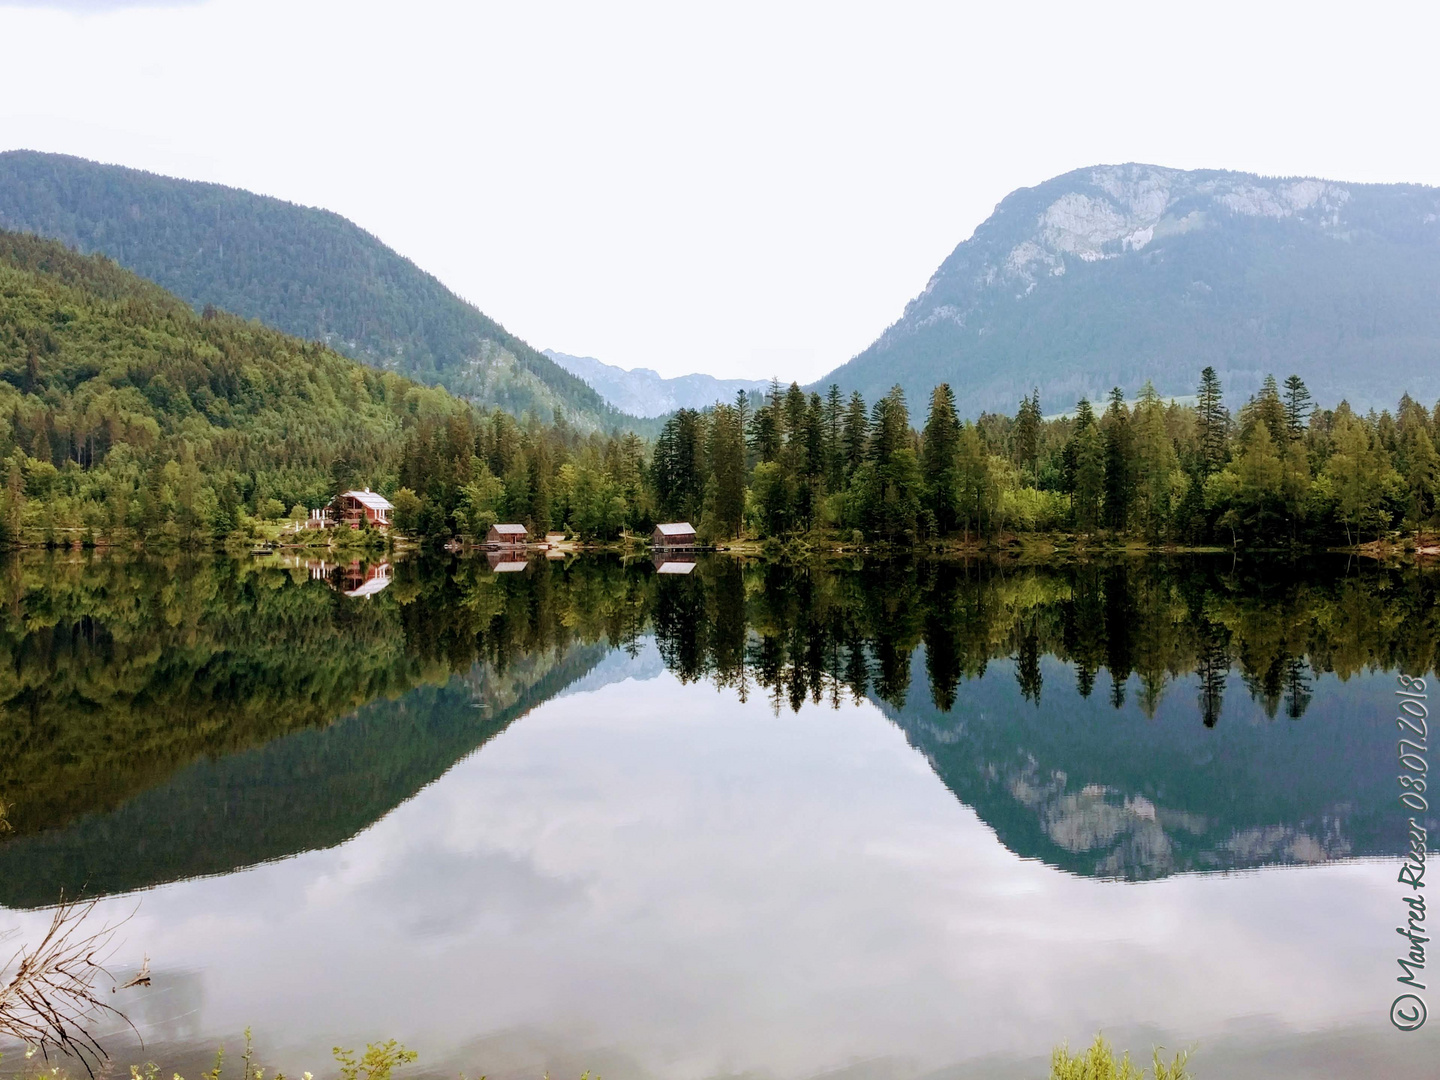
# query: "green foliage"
[306,272]
[1100,1063]
[379,1061]
[131,416]
[131,419]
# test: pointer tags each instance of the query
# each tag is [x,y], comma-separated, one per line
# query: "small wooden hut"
[674,534]
[506,535]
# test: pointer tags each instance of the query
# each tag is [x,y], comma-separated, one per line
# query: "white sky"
[743,189]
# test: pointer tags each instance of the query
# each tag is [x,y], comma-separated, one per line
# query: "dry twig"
[48,996]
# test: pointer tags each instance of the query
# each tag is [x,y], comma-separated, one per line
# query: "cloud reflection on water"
[679,884]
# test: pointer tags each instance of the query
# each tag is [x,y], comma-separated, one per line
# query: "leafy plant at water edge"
[1100,1063]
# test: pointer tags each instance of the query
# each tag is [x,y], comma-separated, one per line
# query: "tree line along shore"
[134,420]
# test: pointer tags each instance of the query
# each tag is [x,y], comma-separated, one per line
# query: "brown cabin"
[506,535]
[675,534]
[353,507]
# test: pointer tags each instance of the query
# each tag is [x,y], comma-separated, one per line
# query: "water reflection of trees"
[115,673]
[828,632]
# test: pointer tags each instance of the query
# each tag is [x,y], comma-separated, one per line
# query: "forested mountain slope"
[1112,275]
[129,412]
[305,271]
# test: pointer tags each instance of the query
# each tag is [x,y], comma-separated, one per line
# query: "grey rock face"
[1113,275]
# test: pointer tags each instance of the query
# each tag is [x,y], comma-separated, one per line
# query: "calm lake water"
[879,821]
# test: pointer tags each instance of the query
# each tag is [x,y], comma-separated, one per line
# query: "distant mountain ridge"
[308,272]
[1112,275]
[643,392]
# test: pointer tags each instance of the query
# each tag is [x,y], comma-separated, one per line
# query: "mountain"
[305,271]
[137,413]
[642,392]
[1112,275]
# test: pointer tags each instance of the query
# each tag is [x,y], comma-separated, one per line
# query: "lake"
[709,818]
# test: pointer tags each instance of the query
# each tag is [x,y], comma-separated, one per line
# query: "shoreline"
[1422,549]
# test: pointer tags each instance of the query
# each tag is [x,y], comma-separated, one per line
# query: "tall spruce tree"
[889,426]
[725,490]
[1085,468]
[1267,408]
[1213,423]
[1027,432]
[939,444]
[1118,440]
[1298,406]
[834,447]
[857,433]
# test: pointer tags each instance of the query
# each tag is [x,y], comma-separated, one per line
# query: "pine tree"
[1420,467]
[1117,462]
[1027,432]
[725,491]
[834,439]
[1298,406]
[889,426]
[1213,422]
[1266,408]
[939,443]
[857,433]
[766,429]
[1084,460]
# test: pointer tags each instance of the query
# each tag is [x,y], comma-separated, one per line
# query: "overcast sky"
[732,188]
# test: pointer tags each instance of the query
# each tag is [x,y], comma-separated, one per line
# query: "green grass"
[1100,1063]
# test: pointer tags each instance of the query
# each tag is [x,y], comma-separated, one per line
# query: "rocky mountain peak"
[1113,274]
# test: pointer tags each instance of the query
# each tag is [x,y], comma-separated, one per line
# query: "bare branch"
[48,994]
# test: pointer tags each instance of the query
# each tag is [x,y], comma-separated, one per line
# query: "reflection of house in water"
[356,580]
[506,562]
[672,562]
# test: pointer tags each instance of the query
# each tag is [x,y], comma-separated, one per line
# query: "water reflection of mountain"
[161,720]
[166,718]
[312,789]
[1104,792]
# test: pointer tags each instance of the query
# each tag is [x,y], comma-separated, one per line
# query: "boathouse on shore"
[506,535]
[674,534]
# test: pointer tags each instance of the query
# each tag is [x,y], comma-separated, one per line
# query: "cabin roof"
[370,499]
[510,530]
[675,528]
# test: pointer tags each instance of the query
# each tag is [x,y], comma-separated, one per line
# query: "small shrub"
[1099,1063]
[377,1063]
